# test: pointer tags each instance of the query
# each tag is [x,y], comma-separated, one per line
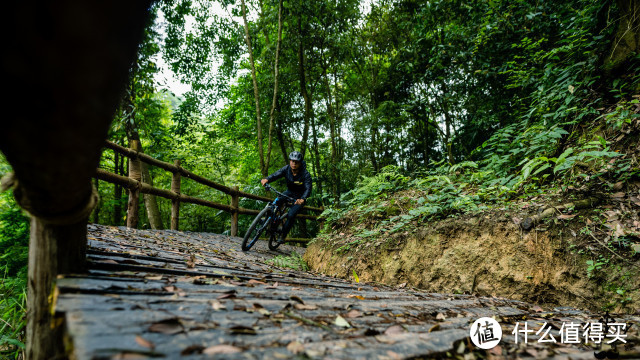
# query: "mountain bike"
[269,221]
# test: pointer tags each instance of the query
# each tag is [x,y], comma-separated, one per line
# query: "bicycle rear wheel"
[273,241]
[258,226]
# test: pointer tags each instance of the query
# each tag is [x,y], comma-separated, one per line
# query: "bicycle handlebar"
[269,188]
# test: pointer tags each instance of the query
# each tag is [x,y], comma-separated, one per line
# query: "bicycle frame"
[278,207]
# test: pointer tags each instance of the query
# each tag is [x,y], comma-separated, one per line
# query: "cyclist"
[298,186]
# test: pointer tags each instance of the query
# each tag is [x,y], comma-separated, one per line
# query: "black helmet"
[295,155]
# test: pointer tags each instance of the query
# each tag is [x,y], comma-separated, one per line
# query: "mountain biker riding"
[298,186]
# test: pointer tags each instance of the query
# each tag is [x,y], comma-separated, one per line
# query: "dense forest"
[477,103]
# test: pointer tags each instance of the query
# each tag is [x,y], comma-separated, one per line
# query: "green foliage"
[12,315]
[14,236]
[14,242]
[292,261]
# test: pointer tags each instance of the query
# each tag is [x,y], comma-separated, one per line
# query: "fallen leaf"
[256,282]
[516,220]
[394,330]
[618,196]
[167,327]
[109,261]
[229,295]
[159,277]
[216,305]
[354,314]
[242,330]
[221,349]
[191,263]
[129,356]
[296,298]
[305,307]
[386,339]
[260,309]
[144,343]
[565,216]
[394,355]
[295,347]
[441,317]
[619,231]
[496,350]
[193,349]
[359,297]
[340,321]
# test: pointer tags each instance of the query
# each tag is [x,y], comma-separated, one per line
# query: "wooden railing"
[136,186]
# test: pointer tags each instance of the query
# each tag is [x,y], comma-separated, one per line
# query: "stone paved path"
[173,295]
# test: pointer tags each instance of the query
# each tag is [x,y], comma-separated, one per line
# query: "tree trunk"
[333,135]
[175,203]
[117,189]
[150,201]
[303,89]
[275,88]
[281,140]
[448,123]
[265,30]
[626,41]
[316,159]
[96,211]
[339,143]
[135,173]
[256,93]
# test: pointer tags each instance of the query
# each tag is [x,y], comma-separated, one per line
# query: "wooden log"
[43,267]
[135,173]
[117,189]
[175,203]
[234,213]
[168,194]
[186,173]
[205,181]
[130,153]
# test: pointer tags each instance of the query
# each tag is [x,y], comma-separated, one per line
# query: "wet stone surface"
[173,295]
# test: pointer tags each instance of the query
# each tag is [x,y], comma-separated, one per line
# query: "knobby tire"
[273,242]
[255,230]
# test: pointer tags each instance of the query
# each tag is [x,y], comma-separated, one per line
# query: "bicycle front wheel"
[258,226]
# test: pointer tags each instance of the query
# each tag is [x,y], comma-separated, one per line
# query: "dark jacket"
[299,185]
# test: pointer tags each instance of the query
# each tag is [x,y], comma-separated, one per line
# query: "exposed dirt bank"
[486,255]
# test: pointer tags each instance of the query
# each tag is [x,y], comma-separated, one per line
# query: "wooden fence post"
[135,173]
[234,210]
[175,203]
